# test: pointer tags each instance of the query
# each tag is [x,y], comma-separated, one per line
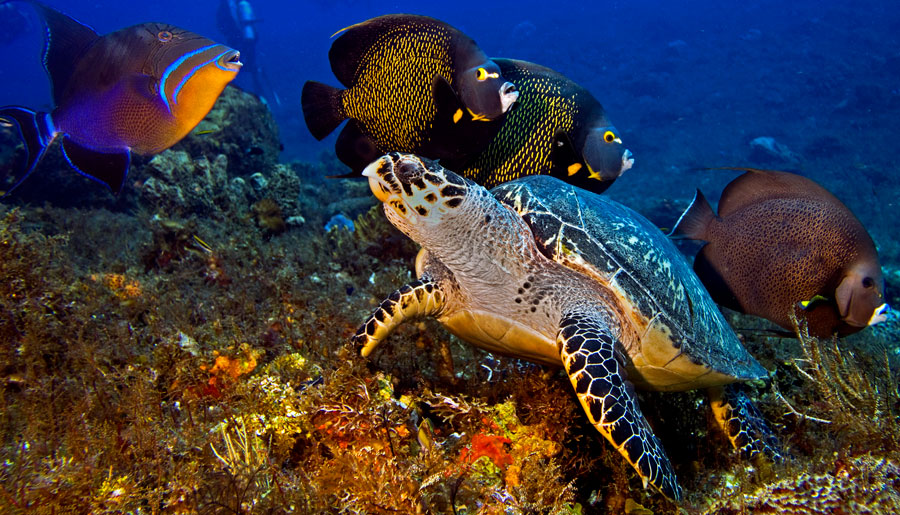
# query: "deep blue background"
[599,45]
[689,84]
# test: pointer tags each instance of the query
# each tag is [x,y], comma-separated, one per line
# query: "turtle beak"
[376,172]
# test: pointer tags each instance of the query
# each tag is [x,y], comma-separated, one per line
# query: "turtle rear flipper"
[588,352]
[743,424]
[416,299]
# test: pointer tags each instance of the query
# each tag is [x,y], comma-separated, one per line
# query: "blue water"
[600,46]
[689,84]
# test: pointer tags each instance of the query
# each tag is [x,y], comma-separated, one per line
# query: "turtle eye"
[868,282]
[481,74]
[164,36]
[609,136]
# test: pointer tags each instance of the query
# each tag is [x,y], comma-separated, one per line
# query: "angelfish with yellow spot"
[140,89]
[557,128]
[413,84]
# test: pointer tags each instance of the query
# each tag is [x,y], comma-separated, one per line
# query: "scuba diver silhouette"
[237,22]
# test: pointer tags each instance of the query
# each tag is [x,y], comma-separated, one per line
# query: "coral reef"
[182,348]
[198,363]
[862,485]
[239,126]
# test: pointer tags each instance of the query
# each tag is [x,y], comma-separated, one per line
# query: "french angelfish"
[140,89]
[414,84]
[783,244]
[557,128]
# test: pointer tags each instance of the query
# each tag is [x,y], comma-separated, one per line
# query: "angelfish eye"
[868,282]
[609,137]
[481,74]
[164,36]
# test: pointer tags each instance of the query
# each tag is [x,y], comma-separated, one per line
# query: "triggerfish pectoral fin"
[36,132]
[110,168]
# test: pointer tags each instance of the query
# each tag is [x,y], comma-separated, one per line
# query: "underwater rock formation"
[239,126]
[766,149]
[180,186]
[862,485]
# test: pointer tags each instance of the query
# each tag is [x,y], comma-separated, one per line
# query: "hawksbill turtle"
[543,271]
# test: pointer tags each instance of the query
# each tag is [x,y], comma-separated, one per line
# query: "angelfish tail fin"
[322,108]
[695,220]
[36,131]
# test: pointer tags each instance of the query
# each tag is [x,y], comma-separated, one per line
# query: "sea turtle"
[547,272]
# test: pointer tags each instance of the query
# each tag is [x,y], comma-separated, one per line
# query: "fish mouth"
[231,60]
[627,161]
[508,96]
[880,314]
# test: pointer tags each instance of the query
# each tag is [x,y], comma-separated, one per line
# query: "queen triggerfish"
[139,89]
[783,244]
[414,84]
[557,128]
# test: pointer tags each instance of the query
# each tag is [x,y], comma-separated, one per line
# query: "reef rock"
[862,485]
[178,185]
[239,126]
[766,149]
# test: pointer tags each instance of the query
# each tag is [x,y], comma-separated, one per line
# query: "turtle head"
[416,192]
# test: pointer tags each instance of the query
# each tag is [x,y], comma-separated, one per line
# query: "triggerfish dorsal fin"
[694,222]
[757,185]
[110,168]
[36,132]
[66,41]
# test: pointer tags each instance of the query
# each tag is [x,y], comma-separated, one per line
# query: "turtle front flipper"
[588,351]
[743,424]
[416,299]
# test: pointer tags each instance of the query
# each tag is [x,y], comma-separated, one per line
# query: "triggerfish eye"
[164,36]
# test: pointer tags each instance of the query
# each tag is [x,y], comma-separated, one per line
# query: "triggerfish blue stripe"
[174,66]
[191,74]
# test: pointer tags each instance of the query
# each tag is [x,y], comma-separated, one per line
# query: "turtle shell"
[616,246]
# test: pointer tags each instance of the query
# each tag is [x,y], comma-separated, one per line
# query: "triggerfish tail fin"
[110,168]
[36,131]
[695,220]
[323,108]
